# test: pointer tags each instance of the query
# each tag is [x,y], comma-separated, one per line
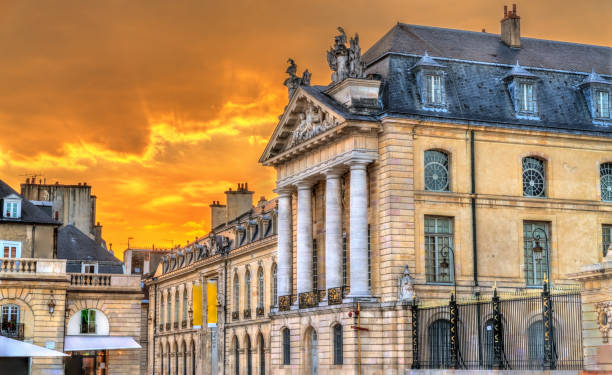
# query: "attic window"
[434,89]
[522,88]
[12,208]
[90,267]
[602,104]
[526,97]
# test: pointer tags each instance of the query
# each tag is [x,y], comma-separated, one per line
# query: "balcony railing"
[106,280]
[12,330]
[32,266]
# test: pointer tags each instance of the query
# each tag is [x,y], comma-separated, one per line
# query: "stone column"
[304,238]
[333,231]
[359,230]
[285,245]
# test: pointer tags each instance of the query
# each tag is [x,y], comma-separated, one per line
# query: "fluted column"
[333,230]
[359,230]
[285,244]
[304,238]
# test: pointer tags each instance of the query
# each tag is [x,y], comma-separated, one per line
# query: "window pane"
[438,249]
[534,177]
[606,239]
[605,173]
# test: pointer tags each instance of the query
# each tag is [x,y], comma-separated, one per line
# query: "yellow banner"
[196,298]
[211,293]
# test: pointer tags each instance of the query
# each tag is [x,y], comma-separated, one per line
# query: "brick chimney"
[217,214]
[238,201]
[511,28]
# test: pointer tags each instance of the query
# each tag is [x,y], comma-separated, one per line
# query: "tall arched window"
[262,354]
[249,356]
[185,306]
[247,290]
[439,343]
[338,345]
[260,288]
[184,346]
[161,357]
[489,341]
[236,293]
[605,174]
[536,344]
[177,304]
[168,364]
[236,356]
[437,177]
[286,347]
[193,359]
[274,285]
[534,177]
[168,310]
[176,358]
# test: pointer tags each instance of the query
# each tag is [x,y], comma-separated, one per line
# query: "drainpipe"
[224,311]
[473,199]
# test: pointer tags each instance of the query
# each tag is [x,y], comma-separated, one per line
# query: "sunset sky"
[163,105]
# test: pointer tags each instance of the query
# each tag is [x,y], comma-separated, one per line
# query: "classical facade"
[441,162]
[210,300]
[59,289]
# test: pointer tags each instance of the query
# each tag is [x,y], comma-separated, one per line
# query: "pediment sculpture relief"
[311,122]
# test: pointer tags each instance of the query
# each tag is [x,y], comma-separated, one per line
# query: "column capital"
[358,163]
[334,172]
[305,184]
[284,191]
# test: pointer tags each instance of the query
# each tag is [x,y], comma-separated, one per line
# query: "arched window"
[177,304]
[169,359]
[249,356]
[236,356]
[247,290]
[489,338]
[438,334]
[185,306]
[161,356]
[88,321]
[236,293]
[437,177]
[274,285]
[262,354]
[193,359]
[176,357]
[168,310]
[260,288]
[605,174]
[286,347]
[184,358]
[536,344]
[534,177]
[9,321]
[338,345]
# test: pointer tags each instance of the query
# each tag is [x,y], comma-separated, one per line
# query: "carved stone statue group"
[293,81]
[345,62]
[311,122]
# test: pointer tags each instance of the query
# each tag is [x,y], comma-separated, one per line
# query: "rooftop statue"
[345,61]
[293,81]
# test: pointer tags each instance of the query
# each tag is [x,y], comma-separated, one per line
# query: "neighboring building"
[442,159]
[59,289]
[211,299]
[68,204]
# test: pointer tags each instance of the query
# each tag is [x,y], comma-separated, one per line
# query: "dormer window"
[12,207]
[522,88]
[526,99]
[602,104]
[89,267]
[430,81]
[596,91]
[434,89]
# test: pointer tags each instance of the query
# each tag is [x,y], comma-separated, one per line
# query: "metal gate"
[516,331]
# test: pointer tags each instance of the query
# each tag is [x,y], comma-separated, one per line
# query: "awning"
[80,343]
[15,348]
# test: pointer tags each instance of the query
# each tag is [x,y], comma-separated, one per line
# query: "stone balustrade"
[32,266]
[113,281]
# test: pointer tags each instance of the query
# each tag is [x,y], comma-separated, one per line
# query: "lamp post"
[538,250]
[444,252]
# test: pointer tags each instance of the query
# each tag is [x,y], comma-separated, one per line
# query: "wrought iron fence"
[517,332]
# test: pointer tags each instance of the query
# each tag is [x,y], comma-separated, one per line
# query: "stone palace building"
[441,161]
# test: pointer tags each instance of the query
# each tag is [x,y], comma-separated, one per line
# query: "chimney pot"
[514,9]
[246,186]
[511,28]
[505,11]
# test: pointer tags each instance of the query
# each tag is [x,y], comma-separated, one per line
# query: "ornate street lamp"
[51,306]
[445,251]
[537,249]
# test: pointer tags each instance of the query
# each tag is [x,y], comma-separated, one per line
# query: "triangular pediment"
[305,117]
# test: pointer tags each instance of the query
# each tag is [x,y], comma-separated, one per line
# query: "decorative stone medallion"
[604,318]
[334,296]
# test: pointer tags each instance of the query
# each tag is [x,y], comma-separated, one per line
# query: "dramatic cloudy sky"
[163,105]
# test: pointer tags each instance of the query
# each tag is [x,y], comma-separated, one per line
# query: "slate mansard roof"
[30,214]
[475,66]
[74,245]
